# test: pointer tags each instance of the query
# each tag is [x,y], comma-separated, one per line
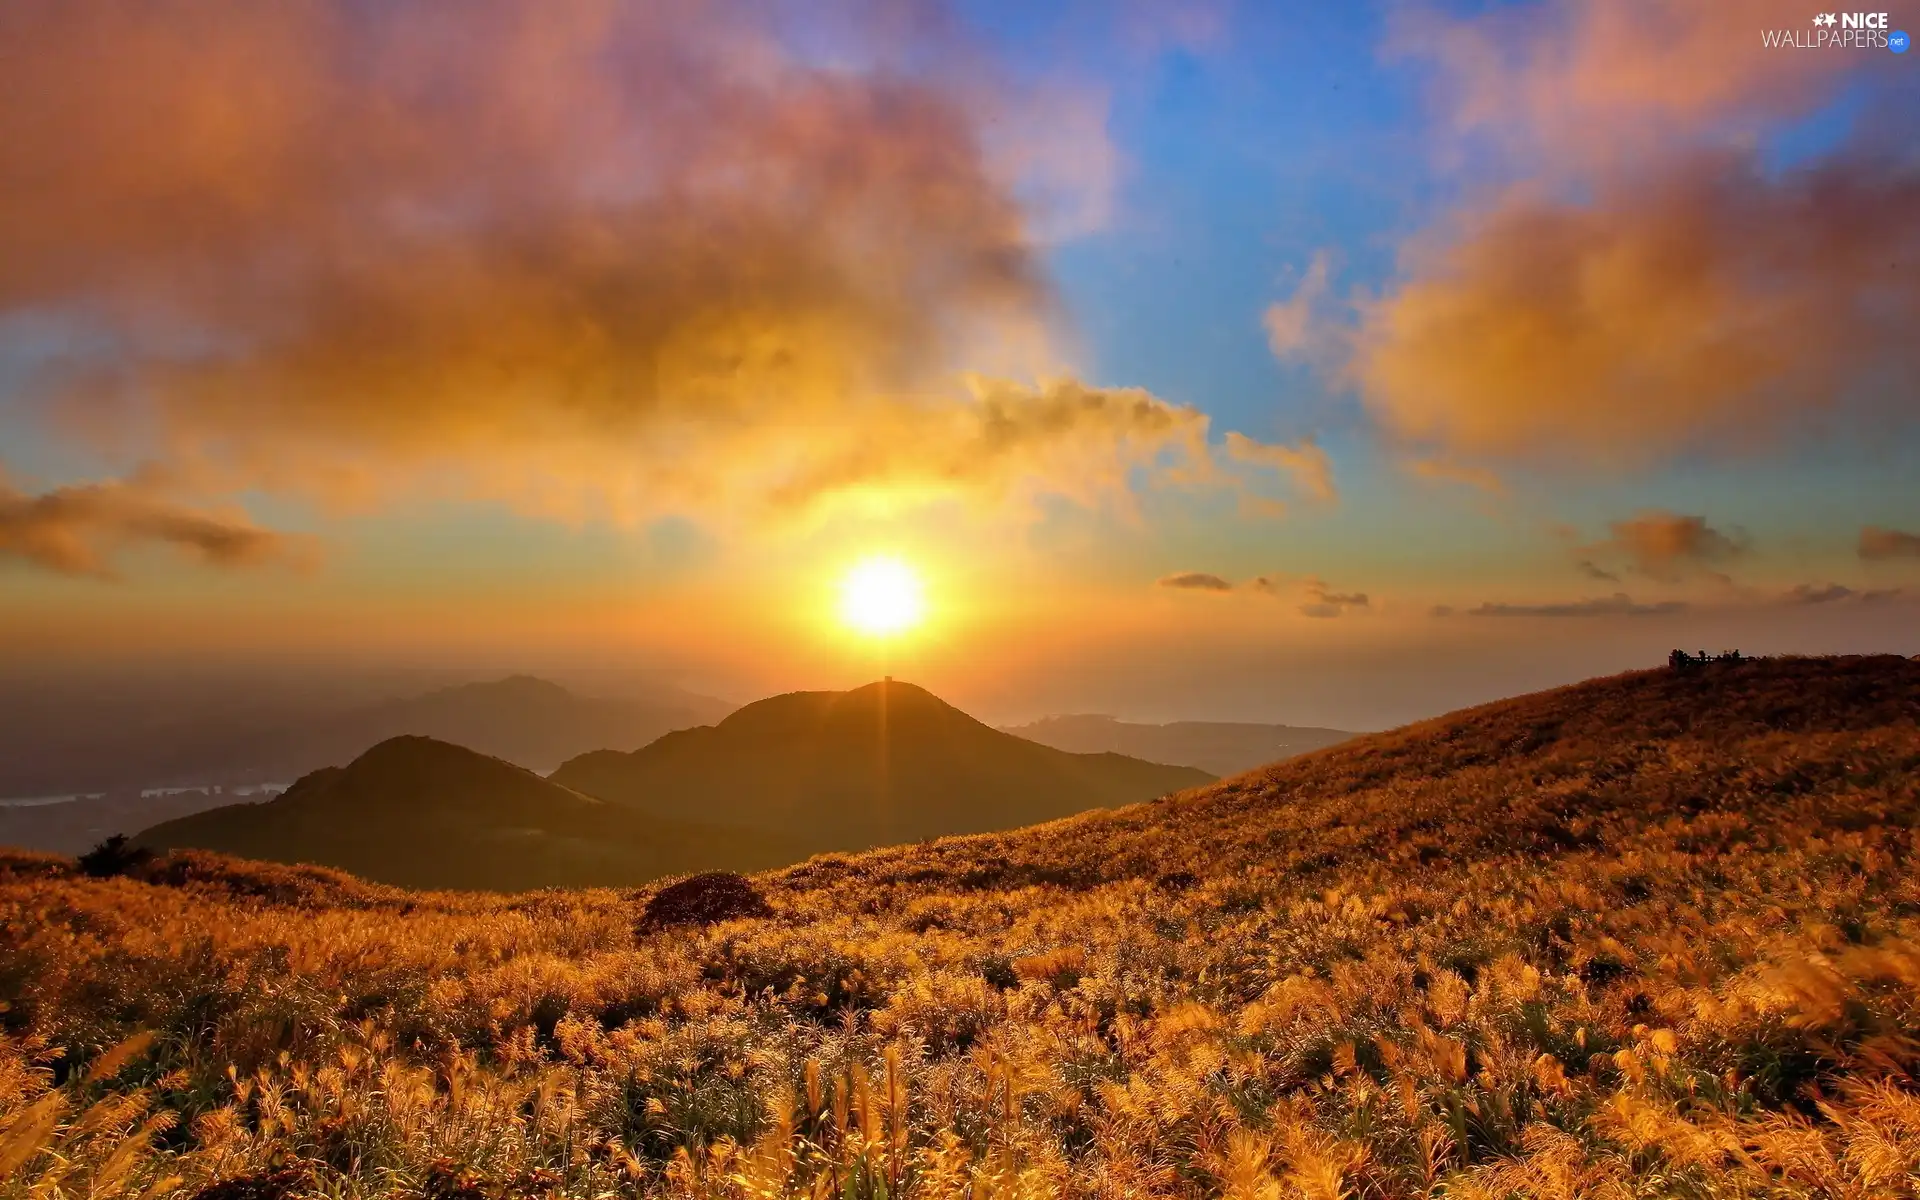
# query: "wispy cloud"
[1617,605]
[1665,546]
[1196,581]
[79,530]
[1877,543]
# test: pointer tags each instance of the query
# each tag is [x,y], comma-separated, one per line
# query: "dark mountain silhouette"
[422,813]
[889,762]
[1220,747]
[121,744]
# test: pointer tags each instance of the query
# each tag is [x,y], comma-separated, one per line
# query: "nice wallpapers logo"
[1840,31]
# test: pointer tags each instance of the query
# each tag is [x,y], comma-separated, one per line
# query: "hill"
[422,813]
[889,762]
[528,721]
[124,738]
[1652,934]
[1218,747]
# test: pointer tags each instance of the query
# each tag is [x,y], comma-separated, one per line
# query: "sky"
[1329,364]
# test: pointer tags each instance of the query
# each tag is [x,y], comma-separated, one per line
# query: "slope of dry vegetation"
[1653,935]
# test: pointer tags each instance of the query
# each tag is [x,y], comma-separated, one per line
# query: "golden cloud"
[1708,309]
[79,530]
[603,258]
[1663,545]
[1878,543]
[1306,463]
[1654,288]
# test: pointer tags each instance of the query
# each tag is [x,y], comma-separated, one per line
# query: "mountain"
[148,739]
[889,762]
[1219,747]
[522,719]
[422,813]
[1655,934]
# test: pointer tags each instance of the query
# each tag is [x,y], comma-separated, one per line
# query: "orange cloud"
[1654,288]
[1878,543]
[604,258]
[1707,309]
[1663,545]
[1306,464]
[78,530]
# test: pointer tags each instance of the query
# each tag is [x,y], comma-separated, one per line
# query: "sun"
[881,597]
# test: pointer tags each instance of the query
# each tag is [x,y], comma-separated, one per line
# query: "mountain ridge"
[1220,748]
[832,765]
[415,811]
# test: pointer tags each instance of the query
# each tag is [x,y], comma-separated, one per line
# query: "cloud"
[1662,545]
[610,258]
[1324,603]
[1063,437]
[1617,605]
[1596,82]
[1290,323]
[1441,471]
[1306,464]
[78,530]
[1833,593]
[1630,276]
[1707,308]
[1197,581]
[1877,543]
[1316,598]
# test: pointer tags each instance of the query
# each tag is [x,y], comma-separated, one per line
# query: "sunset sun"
[881,597]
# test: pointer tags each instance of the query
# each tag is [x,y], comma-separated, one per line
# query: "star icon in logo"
[1827,19]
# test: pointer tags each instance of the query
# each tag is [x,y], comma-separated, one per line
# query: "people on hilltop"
[1680,660]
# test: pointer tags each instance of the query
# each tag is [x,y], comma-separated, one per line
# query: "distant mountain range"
[885,763]
[1220,747]
[423,813]
[56,744]
[524,720]
[775,782]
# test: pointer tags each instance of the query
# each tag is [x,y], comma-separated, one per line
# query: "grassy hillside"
[881,764]
[1652,935]
[422,813]
[1218,747]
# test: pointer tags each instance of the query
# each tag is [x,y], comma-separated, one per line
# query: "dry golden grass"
[1656,935]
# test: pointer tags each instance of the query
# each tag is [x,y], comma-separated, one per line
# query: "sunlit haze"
[881,597]
[1328,364]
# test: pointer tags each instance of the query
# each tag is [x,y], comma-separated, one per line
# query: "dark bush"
[277,1185]
[702,900]
[114,856]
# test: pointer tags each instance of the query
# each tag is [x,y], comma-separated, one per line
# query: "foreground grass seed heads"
[1654,935]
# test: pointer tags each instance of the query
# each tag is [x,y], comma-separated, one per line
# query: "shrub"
[114,856]
[703,900]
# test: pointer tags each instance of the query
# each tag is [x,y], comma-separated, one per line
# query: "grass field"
[1653,935]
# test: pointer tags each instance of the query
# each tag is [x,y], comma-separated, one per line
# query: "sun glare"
[881,597]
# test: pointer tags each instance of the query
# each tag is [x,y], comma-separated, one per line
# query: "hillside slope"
[1217,747]
[422,813]
[889,762]
[1656,934]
